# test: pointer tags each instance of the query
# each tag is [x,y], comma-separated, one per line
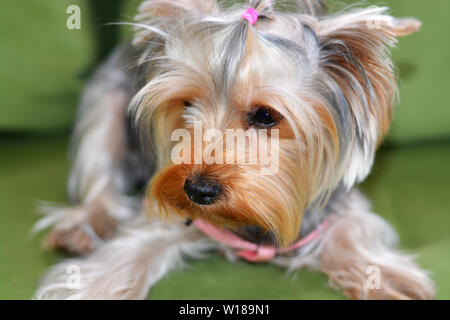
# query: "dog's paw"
[74,240]
[412,284]
[81,231]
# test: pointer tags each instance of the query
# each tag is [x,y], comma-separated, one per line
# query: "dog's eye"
[262,118]
[187,104]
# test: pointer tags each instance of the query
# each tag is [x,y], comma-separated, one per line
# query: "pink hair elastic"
[251,15]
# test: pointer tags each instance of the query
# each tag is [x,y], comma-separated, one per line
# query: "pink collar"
[251,251]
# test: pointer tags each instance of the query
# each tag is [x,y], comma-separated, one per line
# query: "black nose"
[202,190]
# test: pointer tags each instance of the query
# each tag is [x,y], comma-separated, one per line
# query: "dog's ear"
[401,27]
[161,14]
[371,20]
[354,53]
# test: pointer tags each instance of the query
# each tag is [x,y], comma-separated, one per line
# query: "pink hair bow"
[251,15]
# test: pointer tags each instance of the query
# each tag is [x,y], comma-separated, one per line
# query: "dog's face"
[320,88]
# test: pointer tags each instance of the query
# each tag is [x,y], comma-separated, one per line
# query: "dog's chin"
[243,202]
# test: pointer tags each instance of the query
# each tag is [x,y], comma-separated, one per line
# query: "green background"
[42,70]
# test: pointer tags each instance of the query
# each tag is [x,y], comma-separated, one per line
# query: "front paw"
[393,284]
[81,231]
[75,241]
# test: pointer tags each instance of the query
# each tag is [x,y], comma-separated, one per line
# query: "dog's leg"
[357,252]
[100,152]
[126,266]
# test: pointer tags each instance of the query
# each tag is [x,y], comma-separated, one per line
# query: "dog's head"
[321,87]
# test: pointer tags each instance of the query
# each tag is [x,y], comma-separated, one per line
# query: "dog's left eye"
[262,118]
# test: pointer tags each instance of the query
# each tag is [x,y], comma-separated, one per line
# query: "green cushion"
[409,186]
[42,61]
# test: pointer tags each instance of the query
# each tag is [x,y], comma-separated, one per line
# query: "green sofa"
[43,64]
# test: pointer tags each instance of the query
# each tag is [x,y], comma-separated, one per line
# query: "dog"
[320,86]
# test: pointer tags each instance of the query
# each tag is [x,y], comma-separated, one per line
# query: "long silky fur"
[331,79]
[340,68]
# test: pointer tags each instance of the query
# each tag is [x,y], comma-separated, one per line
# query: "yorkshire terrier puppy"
[320,86]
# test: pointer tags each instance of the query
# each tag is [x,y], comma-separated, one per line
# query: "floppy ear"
[354,53]
[161,13]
